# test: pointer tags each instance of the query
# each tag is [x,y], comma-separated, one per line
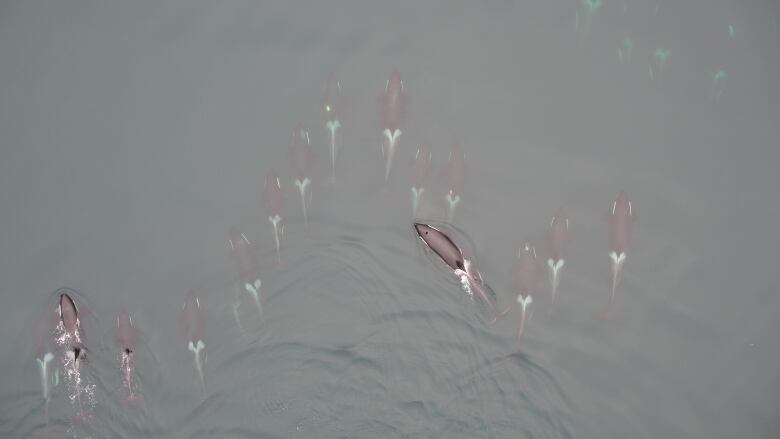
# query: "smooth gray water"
[134,134]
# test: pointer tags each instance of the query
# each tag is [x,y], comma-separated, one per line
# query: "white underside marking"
[524,314]
[302,185]
[333,126]
[196,350]
[196,347]
[392,142]
[617,266]
[44,364]
[555,266]
[617,260]
[253,290]
[274,220]
[452,202]
[553,271]
[524,301]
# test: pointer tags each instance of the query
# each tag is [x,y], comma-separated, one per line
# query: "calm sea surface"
[133,135]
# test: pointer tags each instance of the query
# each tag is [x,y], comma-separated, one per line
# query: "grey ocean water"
[134,134]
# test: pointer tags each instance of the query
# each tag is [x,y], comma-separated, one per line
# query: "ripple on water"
[376,331]
[363,337]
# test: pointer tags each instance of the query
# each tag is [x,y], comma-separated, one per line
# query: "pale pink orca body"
[273,202]
[454,175]
[45,354]
[393,113]
[526,274]
[333,108]
[71,324]
[70,338]
[620,221]
[463,268]
[126,336]
[557,242]
[247,270]
[301,158]
[194,319]
[421,170]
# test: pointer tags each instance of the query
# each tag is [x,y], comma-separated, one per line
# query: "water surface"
[133,135]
